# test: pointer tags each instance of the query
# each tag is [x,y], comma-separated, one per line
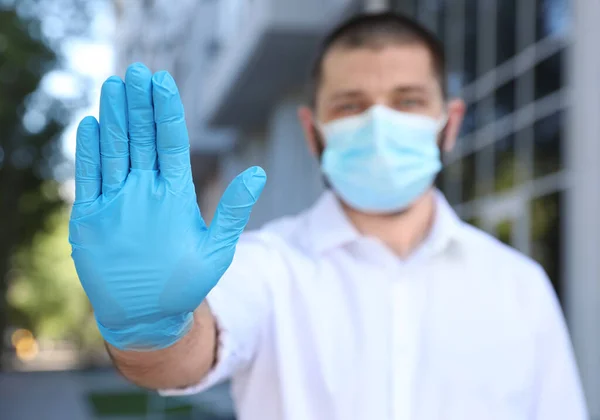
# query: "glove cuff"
[149,336]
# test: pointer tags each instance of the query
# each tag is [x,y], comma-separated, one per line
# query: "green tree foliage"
[45,289]
[33,259]
[27,195]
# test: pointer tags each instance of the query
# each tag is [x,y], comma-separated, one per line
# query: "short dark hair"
[377,30]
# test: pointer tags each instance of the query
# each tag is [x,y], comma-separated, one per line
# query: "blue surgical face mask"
[383,160]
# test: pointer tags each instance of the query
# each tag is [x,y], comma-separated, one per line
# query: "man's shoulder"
[495,254]
[508,271]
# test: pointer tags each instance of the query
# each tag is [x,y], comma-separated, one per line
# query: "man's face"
[401,77]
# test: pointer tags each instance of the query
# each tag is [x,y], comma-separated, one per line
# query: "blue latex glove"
[144,256]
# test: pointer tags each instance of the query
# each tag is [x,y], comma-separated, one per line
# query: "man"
[376,303]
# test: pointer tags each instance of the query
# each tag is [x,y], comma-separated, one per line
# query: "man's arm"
[182,365]
[143,253]
[226,331]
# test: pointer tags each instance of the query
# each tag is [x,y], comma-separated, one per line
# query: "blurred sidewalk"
[71,396]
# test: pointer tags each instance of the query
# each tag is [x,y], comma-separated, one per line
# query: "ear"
[456,114]
[307,121]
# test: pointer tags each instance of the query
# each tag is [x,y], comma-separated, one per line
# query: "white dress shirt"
[320,323]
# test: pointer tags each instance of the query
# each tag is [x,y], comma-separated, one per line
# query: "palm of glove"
[142,251]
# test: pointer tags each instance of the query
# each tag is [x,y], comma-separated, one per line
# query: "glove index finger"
[88,177]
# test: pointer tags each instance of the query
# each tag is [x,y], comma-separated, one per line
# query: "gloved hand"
[142,251]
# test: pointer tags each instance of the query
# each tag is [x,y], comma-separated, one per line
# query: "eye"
[348,108]
[408,104]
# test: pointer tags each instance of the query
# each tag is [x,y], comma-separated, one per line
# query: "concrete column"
[582,247]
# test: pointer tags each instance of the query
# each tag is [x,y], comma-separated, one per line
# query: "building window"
[505,163]
[552,18]
[511,139]
[470,44]
[505,99]
[546,236]
[452,180]
[441,18]
[506,30]
[469,178]
[548,75]
[470,121]
[504,231]
[547,137]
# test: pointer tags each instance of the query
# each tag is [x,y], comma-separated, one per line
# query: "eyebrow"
[402,89]
[346,94]
[411,89]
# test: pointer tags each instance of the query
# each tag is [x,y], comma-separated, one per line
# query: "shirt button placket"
[403,360]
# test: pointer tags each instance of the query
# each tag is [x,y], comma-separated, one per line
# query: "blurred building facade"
[526,167]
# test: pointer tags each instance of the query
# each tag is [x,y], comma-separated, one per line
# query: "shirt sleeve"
[559,393]
[241,305]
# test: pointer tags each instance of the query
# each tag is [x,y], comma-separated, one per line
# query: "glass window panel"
[547,145]
[452,180]
[431,13]
[469,123]
[549,75]
[484,181]
[470,65]
[546,236]
[416,7]
[505,99]
[400,5]
[505,162]
[454,83]
[485,60]
[552,18]
[474,221]
[504,231]
[485,115]
[468,178]
[441,19]
[524,88]
[440,180]
[506,29]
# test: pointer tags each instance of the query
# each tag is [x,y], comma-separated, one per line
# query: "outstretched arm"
[143,253]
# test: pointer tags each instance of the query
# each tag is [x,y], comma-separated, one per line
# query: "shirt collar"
[330,228]
[447,226]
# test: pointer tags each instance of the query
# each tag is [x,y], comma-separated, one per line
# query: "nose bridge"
[379,95]
[377,125]
[381,99]
[380,84]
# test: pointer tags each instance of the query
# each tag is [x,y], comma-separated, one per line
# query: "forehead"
[377,69]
